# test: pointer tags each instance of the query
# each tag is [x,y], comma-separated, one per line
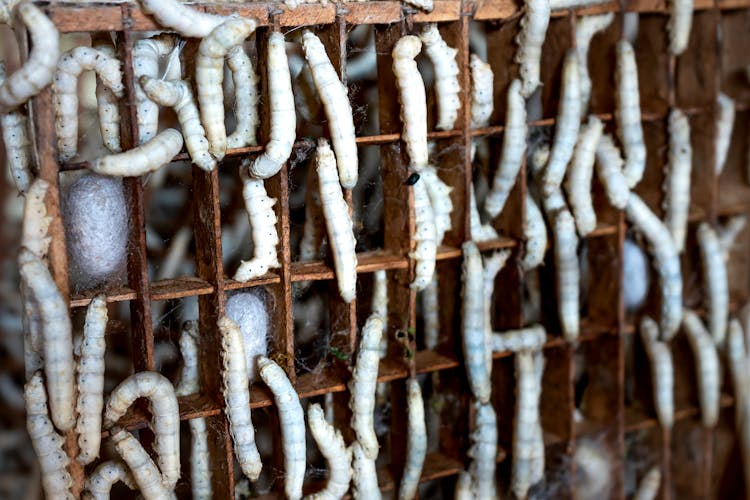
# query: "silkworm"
[145,473]
[566,127]
[35,225]
[443,59]
[183,19]
[440,199]
[411,94]
[707,367]
[635,267]
[100,482]
[143,159]
[237,398]
[189,382]
[479,232]
[662,371]
[568,274]
[338,222]
[57,341]
[729,232]
[37,72]
[716,282]
[90,381]
[283,118]
[578,182]
[47,444]
[15,126]
[333,95]
[209,76]
[464,487]
[332,447]
[593,469]
[649,485]
[473,333]
[628,113]
[536,472]
[166,418]
[530,40]
[609,170]
[724,125]
[667,262]
[364,474]
[146,55]
[425,237]
[292,425]
[531,338]
[677,181]
[379,304]
[739,368]
[514,146]
[586,28]
[425,5]
[245,98]
[680,22]
[177,95]
[107,106]
[482,102]
[536,235]
[362,387]
[492,265]
[483,451]
[416,441]
[524,424]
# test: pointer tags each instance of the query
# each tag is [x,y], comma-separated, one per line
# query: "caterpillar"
[479,232]
[662,371]
[166,418]
[443,59]
[425,5]
[245,98]
[586,28]
[482,103]
[530,40]
[332,447]
[707,367]
[474,336]
[667,262]
[411,94]
[578,182]
[145,473]
[514,147]
[292,424]
[649,485]
[724,125]
[108,108]
[142,159]
[568,274]
[464,486]
[35,225]
[364,475]
[380,296]
[333,95]
[483,451]
[716,290]
[185,20]
[146,55]
[677,181]
[177,94]
[628,113]
[737,360]
[535,233]
[209,76]
[531,338]
[611,173]
[416,441]
[362,387]
[680,22]
[729,232]
[425,236]
[15,126]
[525,424]
[100,482]
[440,200]
[283,118]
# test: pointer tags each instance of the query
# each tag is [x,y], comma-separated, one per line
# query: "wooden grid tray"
[690,82]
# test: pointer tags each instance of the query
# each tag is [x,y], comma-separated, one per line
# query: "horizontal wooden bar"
[637,420]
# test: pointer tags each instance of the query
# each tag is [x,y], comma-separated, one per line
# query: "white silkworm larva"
[535,234]
[729,232]
[35,226]
[47,444]
[142,159]
[739,369]
[283,117]
[531,338]
[440,199]
[37,72]
[479,232]
[707,367]
[209,76]
[425,5]
[680,22]
[166,417]
[431,313]
[667,262]
[333,96]
[189,382]
[362,386]
[15,127]
[609,170]
[57,341]
[292,425]
[107,106]
[530,40]
[183,19]
[177,95]
[524,424]
[568,274]
[578,182]
[443,59]
[245,98]
[482,102]
[146,55]
[724,125]
[628,113]
[411,94]
[464,487]
[483,451]
[716,284]
[332,447]
[100,482]
[380,295]
[649,485]
[586,28]
[90,378]
[145,473]
[65,86]
[425,236]
[662,371]
[416,441]
[473,335]
[537,458]
[364,474]
[338,222]
[237,398]
[514,146]
[567,126]
[677,181]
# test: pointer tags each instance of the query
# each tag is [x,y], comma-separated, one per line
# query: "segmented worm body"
[332,447]
[716,282]
[425,5]
[662,371]
[729,232]
[677,181]
[35,225]
[245,98]
[707,367]
[680,22]
[531,338]
[425,236]
[649,485]
[628,113]
[482,102]
[411,94]
[479,232]
[586,28]
[363,385]
[447,87]
[106,103]
[578,183]
[145,473]
[183,19]
[530,40]
[143,159]
[474,336]
[610,171]
[440,200]
[146,56]
[100,482]
[15,127]
[724,125]
[416,444]
[483,451]
[364,474]
[525,425]
[535,234]
[568,274]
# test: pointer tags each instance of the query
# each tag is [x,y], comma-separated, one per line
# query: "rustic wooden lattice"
[695,462]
